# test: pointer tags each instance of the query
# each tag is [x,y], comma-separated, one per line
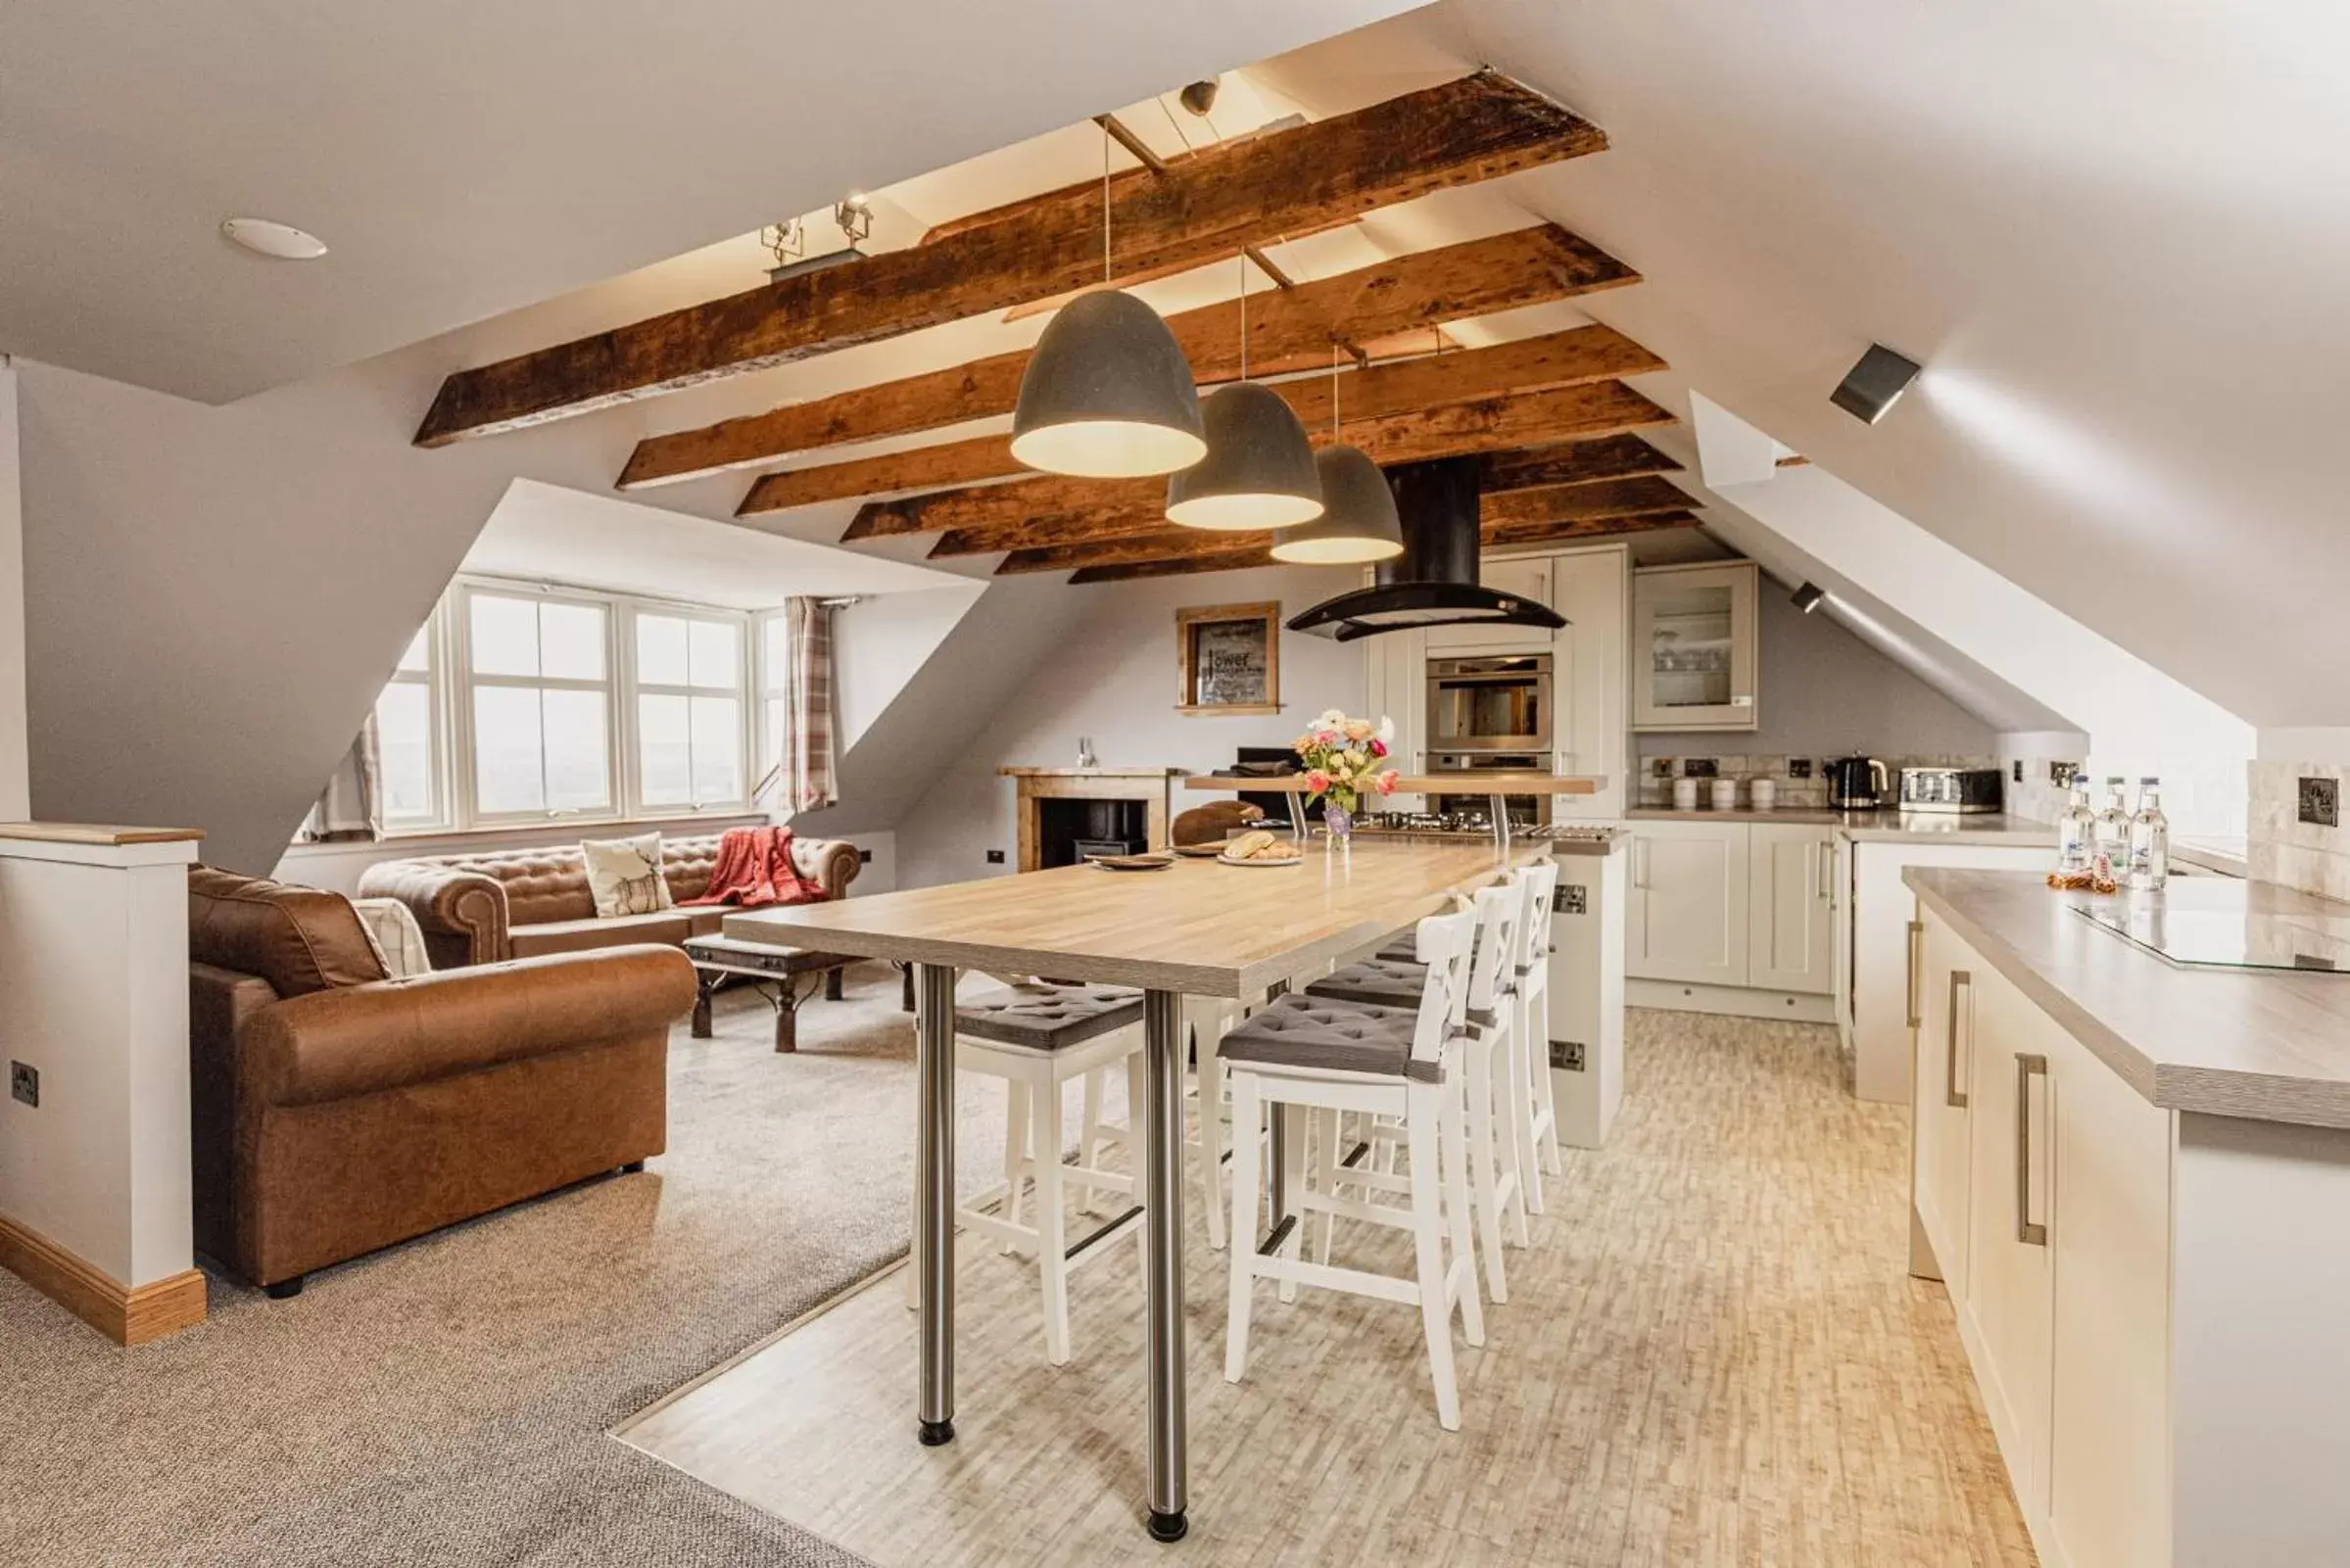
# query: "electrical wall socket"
[2322,802]
[1567,1055]
[995,857]
[25,1083]
[2062,774]
[1571,898]
[864,857]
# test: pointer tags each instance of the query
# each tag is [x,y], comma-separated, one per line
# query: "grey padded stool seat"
[1405,949]
[1374,982]
[1322,1034]
[1046,1016]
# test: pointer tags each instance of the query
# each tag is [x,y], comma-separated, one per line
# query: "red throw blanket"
[754,872]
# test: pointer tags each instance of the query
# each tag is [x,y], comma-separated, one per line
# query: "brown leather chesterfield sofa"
[481,909]
[337,1112]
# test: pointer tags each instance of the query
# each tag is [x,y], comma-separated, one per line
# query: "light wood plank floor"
[1711,1355]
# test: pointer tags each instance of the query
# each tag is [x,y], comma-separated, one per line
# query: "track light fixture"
[1874,385]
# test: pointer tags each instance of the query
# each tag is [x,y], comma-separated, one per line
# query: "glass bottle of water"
[2074,829]
[2149,840]
[2109,836]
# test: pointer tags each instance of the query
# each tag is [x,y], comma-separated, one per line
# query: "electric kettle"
[1856,784]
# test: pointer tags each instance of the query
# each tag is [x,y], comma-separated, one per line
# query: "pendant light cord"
[1244,315]
[1334,390]
[1106,278]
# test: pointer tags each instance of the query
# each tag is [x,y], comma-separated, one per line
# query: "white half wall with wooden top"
[95,1200]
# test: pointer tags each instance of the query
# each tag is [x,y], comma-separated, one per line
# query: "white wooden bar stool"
[1492,1070]
[1316,1054]
[1536,1103]
[1039,1037]
[1209,1019]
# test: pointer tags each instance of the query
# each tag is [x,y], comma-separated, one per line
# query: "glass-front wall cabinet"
[1693,647]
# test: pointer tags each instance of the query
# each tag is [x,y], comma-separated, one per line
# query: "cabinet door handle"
[2026,1067]
[1953,1095]
[1917,935]
[1823,862]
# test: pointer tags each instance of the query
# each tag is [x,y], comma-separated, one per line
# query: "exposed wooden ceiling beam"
[1614,457]
[1607,498]
[1476,129]
[1449,430]
[1242,559]
[1288,331]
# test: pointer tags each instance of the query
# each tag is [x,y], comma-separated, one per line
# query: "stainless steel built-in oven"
[1501,702]
[1465,796]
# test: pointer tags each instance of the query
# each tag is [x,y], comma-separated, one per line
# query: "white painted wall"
[880,643]
[16,790]
[1114,676]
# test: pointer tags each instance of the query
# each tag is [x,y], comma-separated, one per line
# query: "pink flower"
[1386,781]
[1378,747]
[1318,781]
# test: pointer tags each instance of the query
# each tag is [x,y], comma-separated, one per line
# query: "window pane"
[717,750]
[661,651]
[403,736]
[779,721]
[417,660]
[571,642]
[664,748]
[777,634]
[506,749]
[576,755]
[504,636]
[717,654]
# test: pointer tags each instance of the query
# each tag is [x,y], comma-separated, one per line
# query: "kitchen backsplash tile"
[1803,787]
[2282,847]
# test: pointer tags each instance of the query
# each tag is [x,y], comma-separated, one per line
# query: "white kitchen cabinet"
[1395,688]
[1686,915]
[1693,647]
[1591,588]
[2008,1317]
[2109,1245]
[1790,940]
[1939,1121]
[1527,577]
[1879,984]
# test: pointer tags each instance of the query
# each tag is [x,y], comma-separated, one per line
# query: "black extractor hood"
[1434,582]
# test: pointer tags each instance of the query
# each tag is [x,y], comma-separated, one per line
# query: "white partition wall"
[95,1203]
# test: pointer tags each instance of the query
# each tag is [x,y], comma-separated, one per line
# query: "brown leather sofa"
[337,1112]
[485,908]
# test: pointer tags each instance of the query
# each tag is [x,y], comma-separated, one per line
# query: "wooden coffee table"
[776,972]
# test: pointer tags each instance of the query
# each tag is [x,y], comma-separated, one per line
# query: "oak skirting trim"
[125,1314]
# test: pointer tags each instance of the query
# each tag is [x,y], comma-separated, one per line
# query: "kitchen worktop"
[2269,1045]
[1879,826]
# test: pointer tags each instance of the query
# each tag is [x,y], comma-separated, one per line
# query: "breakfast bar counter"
[1203,927]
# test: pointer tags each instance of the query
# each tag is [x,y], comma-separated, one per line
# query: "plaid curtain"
[351,806]
[807,760]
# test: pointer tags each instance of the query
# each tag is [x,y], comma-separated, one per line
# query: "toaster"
[1966,789]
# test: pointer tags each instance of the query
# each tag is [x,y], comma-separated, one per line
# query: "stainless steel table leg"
[935,1201]
[1163,1193]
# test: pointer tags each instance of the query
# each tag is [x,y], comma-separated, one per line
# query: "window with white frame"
[539,686]
[689,716]
[408,737]
[774,687]
[519,703]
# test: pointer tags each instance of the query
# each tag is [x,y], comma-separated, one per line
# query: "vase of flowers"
[1344,759]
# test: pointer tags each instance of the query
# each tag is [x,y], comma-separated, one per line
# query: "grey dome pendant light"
[1358,521]
[1258,472]
[1107,393]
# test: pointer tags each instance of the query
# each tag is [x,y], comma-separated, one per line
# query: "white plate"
[1226,860]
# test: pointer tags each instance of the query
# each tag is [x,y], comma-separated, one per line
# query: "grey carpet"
[447,1401]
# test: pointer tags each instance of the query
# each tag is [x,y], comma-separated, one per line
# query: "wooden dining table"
[1199,927]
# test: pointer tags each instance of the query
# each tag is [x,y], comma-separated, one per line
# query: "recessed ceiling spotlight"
[1875,384]
[1807,597]
[280,242]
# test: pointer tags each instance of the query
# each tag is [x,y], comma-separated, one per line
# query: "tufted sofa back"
[550,883]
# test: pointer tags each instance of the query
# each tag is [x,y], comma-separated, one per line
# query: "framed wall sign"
[1231,659]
